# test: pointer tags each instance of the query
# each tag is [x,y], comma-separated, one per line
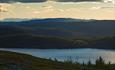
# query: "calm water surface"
[80,55]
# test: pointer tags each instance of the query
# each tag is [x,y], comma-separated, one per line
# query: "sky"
[28,1]
[52,9]
[24,1]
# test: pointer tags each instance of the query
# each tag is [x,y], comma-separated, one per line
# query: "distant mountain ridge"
[58,33]
[43,20]
[65,27]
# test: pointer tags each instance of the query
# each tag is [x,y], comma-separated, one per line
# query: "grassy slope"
[29,41]
[17,61]
[29,62]
[98,43]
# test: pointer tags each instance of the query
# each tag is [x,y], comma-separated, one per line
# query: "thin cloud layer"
[81,10]
[30,1]
[24,1]
[75,0]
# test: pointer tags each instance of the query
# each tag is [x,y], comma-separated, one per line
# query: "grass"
[13,60]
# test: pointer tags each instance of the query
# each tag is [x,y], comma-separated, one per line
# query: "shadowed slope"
[16,61]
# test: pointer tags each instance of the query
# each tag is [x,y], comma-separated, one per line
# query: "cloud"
[28,7]
[95,8]
[4,7]
[36,12]
[60,10]
[28,1]
[74,0]
[24,1]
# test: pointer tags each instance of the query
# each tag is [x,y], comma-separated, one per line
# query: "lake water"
[79,55]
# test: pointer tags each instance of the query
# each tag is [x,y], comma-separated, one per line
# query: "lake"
[79,55]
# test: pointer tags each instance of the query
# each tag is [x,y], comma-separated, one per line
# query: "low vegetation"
[17,61]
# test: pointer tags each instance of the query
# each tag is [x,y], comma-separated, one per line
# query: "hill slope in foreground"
[17,61]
